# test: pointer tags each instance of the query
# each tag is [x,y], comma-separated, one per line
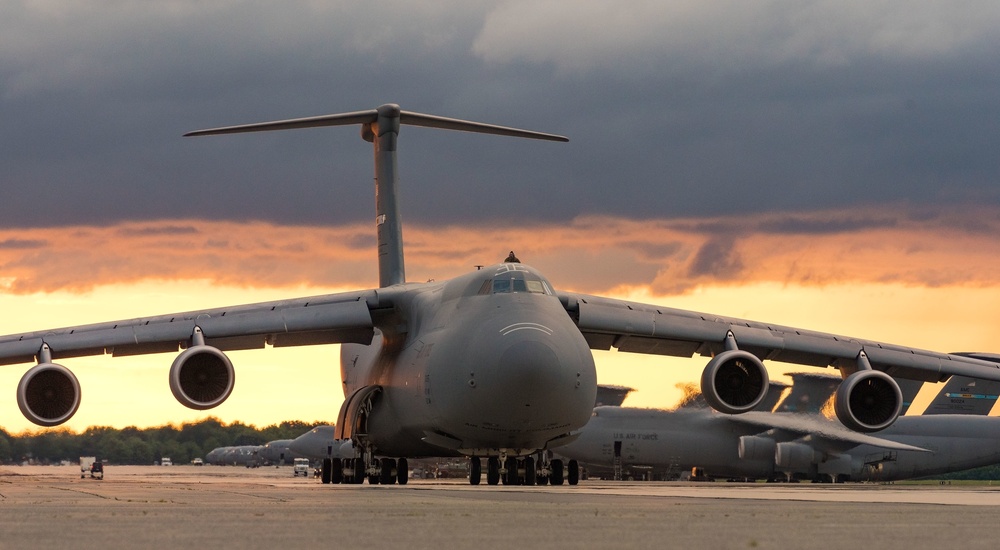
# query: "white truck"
[300,466]
[85,463]
[165,461]
[90,464]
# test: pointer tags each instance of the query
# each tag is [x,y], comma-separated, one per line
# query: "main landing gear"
[537,469]
[385,471]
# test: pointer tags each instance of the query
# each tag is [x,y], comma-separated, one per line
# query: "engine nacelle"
[48,394]
[734,382]
[202,377]
[868,401]
[755,447]
[796,457]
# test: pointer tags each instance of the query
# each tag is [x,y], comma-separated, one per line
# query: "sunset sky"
[819,164]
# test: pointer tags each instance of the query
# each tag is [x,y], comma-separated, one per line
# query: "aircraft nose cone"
[531,370]
[529,386]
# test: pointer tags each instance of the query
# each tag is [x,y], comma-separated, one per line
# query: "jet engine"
[202,377]
[734,382]
[868,401]
[755,447]
[796,457]
[48,394]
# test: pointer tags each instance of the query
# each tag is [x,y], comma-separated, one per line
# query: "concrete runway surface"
[234,507]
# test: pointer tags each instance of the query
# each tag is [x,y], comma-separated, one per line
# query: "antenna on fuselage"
[380,126]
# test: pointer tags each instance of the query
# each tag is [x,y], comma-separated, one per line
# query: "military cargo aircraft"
[623,443]
[495,364]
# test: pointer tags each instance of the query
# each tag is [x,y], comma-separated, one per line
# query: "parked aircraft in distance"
[239,455]
[613,396]
[806,395]
[319,444]
[622,443]
[495,364]
[277,452]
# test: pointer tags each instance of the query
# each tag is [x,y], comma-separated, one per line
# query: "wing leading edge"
[642,328]
[334,318]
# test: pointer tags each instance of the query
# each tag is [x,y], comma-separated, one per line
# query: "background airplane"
[278,452]
[661,444]
[238,455]
[494,364]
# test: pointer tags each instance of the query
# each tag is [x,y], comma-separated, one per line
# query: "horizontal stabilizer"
[342,119]
[432,121]
[370,116]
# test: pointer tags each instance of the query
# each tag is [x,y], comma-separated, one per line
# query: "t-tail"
[380,126]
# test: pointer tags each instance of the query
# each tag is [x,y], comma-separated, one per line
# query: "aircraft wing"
[643,328]
[818,432]
[333,318]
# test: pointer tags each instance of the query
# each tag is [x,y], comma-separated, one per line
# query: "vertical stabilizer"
[381,127]
[964,395]
[810,391]
[388,221]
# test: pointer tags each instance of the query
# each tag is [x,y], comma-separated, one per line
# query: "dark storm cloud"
[22,244]
[677,110]
[717,257]
[158,231]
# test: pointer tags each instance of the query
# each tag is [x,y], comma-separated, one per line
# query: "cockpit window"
[519,281]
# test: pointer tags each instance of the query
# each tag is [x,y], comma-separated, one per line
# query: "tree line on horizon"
[135,446]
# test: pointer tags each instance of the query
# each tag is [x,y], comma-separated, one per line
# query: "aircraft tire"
[402,471]
[386,477]
[573,472]
[327,470]
[530,477]
[475,470]
[556,477]
[337,471]
[510,478]
[493,470]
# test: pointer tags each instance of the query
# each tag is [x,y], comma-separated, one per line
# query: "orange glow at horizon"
[931,285]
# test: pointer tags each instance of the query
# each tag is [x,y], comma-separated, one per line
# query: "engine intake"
[734,382]
[868,401]
[48,394]
[202,377]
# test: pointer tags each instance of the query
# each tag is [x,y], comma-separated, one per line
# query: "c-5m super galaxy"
[952,434]
[495,364]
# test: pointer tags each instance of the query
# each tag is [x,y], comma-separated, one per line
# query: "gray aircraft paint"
[670,442]
[278,452]
[676,441]
[318,443]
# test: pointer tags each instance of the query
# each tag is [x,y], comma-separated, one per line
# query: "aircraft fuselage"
[484,362]
[670,442]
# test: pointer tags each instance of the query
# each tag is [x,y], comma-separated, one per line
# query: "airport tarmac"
[216,506]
